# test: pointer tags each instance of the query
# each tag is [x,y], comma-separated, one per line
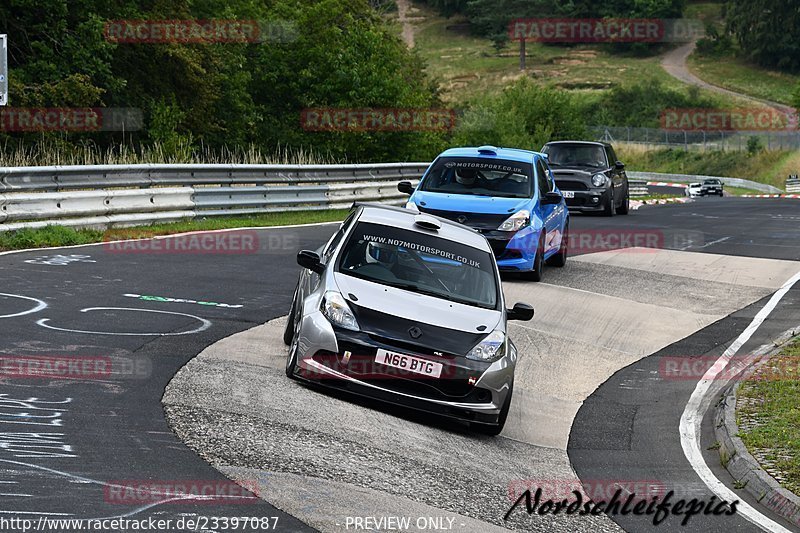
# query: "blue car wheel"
[538,263]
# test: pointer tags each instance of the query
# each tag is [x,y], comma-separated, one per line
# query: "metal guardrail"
[119,195]
[793,184]
[637,188]
[688,178]
[698,139]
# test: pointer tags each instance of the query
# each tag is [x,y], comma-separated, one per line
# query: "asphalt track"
[107,430]
[65,458]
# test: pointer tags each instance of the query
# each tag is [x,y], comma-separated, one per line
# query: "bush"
[524,115]
[754,145]
[642,105]
[716,43]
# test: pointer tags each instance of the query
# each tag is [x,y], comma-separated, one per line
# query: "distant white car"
[694,190]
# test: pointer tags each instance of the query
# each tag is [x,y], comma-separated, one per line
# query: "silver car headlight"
[335,309]
[517,221]
[492,348]
[599,180]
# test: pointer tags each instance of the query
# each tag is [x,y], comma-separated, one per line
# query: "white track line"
[698,404]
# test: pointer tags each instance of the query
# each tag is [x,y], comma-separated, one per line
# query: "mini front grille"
[572,185]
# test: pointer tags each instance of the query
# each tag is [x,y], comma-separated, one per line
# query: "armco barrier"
[637,188]
[121,195]
[688,178]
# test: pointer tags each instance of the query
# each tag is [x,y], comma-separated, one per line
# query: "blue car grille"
[479,221]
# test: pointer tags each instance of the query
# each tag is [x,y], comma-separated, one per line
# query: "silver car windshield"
[420,263]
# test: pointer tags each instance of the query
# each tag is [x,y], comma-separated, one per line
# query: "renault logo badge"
[415,332]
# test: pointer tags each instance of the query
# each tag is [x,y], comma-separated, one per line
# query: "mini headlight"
[516,222]
[598,180]
[492,348]
[335,309]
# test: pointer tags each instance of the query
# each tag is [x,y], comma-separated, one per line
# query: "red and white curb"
[770,196]
[636,204]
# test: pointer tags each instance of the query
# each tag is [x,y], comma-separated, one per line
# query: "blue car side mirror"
[551,198]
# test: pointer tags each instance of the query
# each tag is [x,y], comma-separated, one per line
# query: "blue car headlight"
[517,221]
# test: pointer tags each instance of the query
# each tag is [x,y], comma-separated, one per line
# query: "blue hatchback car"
[508,195]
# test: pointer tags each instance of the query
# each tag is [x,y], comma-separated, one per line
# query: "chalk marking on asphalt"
[712,243]
[39,305]
[82,479]
[205,324]
[168,299]
[699,402]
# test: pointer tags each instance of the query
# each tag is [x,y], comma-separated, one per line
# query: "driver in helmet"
[381,254]
[467,177]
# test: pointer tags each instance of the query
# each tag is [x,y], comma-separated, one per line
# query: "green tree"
[767,31]
[525,115]
[337,53]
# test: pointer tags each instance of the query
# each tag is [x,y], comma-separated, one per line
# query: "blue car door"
[551,214]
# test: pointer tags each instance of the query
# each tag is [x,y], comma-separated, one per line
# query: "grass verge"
[63,236]
[769,417]
[740,191]
[468,68]
[770,167]
[742,77]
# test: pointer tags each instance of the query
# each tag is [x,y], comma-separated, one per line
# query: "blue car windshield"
[421,263]
[480,177]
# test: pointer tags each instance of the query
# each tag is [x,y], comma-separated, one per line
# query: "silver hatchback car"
[406,308]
